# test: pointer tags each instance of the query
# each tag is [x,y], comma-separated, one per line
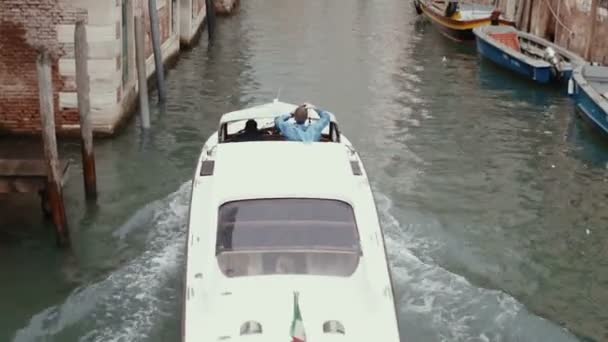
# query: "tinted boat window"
[296,236]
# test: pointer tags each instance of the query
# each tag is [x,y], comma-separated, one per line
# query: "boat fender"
[451,8]
[570,87]
[417,6]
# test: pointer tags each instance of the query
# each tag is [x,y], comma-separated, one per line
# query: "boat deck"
[598,79]
[474,11]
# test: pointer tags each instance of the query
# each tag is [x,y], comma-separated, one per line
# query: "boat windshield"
[287,236]
[263,129]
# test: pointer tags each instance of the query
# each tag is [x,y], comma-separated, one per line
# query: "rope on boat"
[570,32]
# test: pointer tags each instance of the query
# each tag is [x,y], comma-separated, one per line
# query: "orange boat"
[457,20]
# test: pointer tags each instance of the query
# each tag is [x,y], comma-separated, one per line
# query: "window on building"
[289,235]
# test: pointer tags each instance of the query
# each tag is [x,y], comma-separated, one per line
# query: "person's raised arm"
[286,129]
[281,121]
[318,127]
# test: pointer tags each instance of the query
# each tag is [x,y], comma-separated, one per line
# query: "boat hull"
[457,30]
[227,302]
[588,102]
[541,75]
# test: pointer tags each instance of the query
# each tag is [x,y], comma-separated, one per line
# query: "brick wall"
[29,25]
[26,26]
[164,19]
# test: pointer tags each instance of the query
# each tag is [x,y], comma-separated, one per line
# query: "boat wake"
[434,302]
[133,301]
[140,300]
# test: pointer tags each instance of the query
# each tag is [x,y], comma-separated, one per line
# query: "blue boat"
[526,54]
[590,93]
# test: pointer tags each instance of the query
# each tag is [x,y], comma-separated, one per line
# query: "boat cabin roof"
[267,169]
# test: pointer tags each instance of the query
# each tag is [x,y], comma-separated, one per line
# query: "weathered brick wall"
[26,26]
[164,18]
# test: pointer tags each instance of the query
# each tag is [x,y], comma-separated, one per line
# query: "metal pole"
[158,57]
[81,53]
[47,120]
[140,60]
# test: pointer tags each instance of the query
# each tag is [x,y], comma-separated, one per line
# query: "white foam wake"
[130,302]
[134,300]
[436,305]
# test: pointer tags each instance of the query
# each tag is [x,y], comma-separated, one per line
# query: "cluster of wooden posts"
[53,194]
[54,191]
[55,169]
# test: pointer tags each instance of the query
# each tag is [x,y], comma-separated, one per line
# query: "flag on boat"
[297,326]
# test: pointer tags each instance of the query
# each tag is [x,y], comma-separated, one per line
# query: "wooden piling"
[591,38]
[530,8]
[158,57]
[47,118]
[519,14]
[210,13]
[140,60]
[81,52]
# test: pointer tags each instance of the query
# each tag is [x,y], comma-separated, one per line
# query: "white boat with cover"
[284,241]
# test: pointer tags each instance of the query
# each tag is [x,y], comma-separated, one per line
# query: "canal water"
[491,192]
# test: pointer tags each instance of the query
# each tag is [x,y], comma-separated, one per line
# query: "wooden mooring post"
[210,8]
[591,37]
[81,52]
[47,118]
[140,60]
[158,57]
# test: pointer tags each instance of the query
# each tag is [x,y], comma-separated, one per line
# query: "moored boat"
[526,54]
[457,20]
[590,93]
[284,241]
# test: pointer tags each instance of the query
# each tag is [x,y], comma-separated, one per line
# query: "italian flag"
[297,326]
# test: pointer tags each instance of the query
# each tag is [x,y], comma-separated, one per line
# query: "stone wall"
[192,15]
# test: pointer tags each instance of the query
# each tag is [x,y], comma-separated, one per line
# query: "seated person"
[299,131]
[249,133]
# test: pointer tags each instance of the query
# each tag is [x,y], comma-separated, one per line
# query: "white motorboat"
[284,241]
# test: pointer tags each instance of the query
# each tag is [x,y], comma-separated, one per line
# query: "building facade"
[29,25]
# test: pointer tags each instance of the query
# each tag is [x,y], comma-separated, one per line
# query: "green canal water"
[492,192]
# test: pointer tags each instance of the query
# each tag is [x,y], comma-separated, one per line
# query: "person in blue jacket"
[299,131]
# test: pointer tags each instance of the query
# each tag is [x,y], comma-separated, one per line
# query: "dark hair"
[251,125]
